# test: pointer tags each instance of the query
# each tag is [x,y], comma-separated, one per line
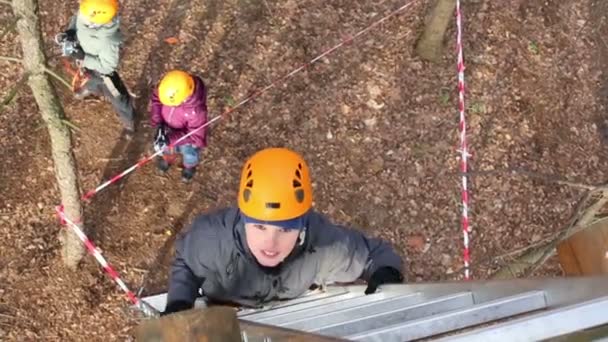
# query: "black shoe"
[162,165]
[187,174]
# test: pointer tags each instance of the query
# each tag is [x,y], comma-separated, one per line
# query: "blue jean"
[190,154]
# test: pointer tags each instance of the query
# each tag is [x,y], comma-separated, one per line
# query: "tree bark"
[430,45]
[34,62]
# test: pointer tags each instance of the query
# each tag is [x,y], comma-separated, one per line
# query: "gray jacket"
[213,256]
[101,45]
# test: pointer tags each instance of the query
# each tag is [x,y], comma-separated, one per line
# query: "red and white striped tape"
[464,153]
[88,195]
[143,306]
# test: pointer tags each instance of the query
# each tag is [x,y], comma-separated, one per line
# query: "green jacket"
[101,44]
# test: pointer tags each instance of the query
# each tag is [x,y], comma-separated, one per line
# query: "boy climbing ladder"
[274,245]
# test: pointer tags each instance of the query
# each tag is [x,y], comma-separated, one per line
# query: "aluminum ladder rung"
[543,325]
[326,307]
[457,319]
[300,303]
[370,303]
[364,319]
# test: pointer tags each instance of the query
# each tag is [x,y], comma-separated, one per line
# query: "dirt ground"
[378,126]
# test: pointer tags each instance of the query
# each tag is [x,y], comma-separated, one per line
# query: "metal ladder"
[513,310]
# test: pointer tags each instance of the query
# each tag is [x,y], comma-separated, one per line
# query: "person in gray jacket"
[274,246]
[95,37]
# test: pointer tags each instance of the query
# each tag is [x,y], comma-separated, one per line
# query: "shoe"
[129,127]
[81,93]
[128,123]
[162,165]
[128,135]
[187,174]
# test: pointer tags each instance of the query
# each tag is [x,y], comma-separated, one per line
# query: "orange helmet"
[99,12]
[275,186]
[175,87]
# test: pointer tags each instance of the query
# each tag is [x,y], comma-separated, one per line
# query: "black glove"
[177,306]
[77,53]
[161,137]
[70,35]
[383,275]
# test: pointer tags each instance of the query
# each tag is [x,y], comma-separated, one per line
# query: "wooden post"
[213,324]
[586,252]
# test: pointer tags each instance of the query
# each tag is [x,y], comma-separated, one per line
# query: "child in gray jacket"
[94,32]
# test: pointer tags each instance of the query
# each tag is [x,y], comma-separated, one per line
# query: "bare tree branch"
[598,221]
[57,77]
[583,217]
[46,69]
[268,8]
[524,249]
[11,59]
[71,125]
[536,175]
[518,251]
[11,94]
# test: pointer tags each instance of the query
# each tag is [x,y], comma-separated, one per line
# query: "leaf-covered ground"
[378,126]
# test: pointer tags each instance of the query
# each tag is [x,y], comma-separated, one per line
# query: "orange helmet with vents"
[275,186]
[175,87]
[99,12]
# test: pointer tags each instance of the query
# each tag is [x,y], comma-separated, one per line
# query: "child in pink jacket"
[179,107]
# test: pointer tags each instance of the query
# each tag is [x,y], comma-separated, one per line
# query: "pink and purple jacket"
[185,118]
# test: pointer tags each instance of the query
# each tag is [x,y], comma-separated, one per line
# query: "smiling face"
[269,244]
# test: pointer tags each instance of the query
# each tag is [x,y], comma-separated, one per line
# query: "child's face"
[270,244]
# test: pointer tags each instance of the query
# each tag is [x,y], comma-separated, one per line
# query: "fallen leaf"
[374,90]
[370,122]
[374,105]
[171,40]
[416,242]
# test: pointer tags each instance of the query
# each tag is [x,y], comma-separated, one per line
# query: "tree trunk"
[34,62]
[430,45]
